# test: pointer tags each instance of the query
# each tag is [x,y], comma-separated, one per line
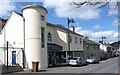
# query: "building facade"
[91,49]
[107,51]
[32,39]
[57,38]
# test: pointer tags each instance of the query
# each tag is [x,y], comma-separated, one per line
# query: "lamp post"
[69,21]
[103,38]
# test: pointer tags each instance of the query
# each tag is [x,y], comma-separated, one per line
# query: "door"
[14,57]
[50,59]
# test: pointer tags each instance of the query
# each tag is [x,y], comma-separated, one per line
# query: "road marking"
[91,68]
[88,69]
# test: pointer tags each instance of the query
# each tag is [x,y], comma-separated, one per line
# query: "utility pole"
[103,39]
[69,21]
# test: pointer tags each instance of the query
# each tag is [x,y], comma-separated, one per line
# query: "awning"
[54,47]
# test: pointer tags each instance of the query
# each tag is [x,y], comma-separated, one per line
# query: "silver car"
[92,60]
[77,61]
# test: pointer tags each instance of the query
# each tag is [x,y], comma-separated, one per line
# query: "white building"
[31,38]
[107,51]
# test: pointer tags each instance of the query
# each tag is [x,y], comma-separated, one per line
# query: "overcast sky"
[89,21]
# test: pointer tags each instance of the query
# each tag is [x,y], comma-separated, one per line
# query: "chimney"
[72,28]
[87,37]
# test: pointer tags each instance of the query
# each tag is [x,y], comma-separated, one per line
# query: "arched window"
[49,37]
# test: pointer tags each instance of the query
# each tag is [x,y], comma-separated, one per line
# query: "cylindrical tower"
[35,35]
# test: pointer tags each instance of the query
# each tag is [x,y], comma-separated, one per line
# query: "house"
[30,38]
[116,46]
[57,37]
[107,50]
[13,33]
[91,48]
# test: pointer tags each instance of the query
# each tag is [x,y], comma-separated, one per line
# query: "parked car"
[92,60]
[77,61]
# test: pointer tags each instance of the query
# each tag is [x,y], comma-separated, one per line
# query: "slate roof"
[90,42]
[54,25]
[2,23]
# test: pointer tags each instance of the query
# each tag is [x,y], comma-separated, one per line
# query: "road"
[107,66]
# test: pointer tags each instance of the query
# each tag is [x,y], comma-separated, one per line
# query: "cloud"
[6,7]
[111,35]
[96,26]
[82,31]
[115,22]
[63,9]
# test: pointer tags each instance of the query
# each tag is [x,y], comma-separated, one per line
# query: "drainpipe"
[23,50]
[7,54]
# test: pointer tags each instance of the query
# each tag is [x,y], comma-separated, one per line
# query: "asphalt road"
[107,66]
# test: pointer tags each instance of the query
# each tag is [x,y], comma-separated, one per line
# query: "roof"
[108,45]
[53,25]
[5,21]
[90,42]
[2,23]
[18,13]
[54,47]
[61,27]
[34,6]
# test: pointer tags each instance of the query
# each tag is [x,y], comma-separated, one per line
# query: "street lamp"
[69,21]
[103,38]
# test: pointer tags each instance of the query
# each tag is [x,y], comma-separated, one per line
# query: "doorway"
[14,57]
[50,59]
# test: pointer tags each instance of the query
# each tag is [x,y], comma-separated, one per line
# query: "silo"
[35,35]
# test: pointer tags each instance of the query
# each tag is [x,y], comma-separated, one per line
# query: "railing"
[2,63]
[6,52]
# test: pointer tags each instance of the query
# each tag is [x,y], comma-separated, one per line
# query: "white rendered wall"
[103,47]
[60,37]
[13,33]
[33,24]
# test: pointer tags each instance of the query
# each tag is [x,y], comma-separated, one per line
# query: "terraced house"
[91,48]
[58,50]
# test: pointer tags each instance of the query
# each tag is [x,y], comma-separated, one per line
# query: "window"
[42,17]
[87,46]
[49,37]
[75,39]
[42,37]
[70,39]
[80,40]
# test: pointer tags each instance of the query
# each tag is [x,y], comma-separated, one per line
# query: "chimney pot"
[72,28]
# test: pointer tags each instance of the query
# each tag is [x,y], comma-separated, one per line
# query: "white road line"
[91,68]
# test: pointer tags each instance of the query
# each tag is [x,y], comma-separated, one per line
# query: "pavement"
[106,66]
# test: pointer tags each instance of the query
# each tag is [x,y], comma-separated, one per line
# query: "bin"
[35,66]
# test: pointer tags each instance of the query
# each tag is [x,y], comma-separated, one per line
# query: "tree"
[99,3]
